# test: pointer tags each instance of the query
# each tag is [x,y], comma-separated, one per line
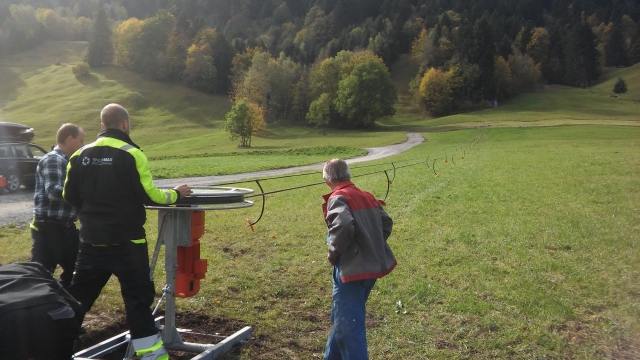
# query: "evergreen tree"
[614,49]
[100,52]
[483,53]
[634,48]
[620,87]
[581,56]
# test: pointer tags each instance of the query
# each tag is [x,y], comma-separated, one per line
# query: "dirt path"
[17,208]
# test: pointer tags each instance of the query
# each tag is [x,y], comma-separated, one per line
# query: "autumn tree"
[124,41]
[244,120]
[150,43]
[525,73]
[436,92]
[100,50]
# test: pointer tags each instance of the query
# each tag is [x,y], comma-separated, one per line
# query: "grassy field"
[527,248]
[630,75]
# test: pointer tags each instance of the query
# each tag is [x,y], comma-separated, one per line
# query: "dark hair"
[66,130]
[113,115]
[336,170]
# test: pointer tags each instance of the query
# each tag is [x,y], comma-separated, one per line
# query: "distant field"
[38,89]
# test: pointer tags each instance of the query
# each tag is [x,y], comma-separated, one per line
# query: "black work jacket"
[110,182]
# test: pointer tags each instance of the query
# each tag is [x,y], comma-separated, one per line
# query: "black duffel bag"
[37,315]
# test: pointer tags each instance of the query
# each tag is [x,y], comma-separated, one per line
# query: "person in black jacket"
[110,182]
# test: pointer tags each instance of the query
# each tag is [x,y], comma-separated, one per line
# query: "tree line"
[319,61]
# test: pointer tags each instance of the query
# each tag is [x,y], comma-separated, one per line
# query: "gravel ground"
[17,208]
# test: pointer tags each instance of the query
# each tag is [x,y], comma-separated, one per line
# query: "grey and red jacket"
[358,232]
[110,182]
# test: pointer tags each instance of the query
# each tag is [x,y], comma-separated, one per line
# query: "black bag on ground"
[37,315]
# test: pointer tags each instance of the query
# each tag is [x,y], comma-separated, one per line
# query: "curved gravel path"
[16,208]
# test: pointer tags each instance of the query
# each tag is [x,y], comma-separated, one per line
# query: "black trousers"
[41,332]
[55,244]
[129,262]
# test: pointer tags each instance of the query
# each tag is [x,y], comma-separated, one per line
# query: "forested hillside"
[326,62]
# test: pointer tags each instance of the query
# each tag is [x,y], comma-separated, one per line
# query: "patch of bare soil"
[203,330]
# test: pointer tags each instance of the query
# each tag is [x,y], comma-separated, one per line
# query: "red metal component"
[3,181]
[190,267]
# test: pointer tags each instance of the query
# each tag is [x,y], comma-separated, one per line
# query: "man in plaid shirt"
[53,230]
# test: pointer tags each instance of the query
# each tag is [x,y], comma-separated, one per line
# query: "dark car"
[18,163]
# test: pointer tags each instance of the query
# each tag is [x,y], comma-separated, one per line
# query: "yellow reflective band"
[139,241]
[155,347]
[32,225]
[163,357]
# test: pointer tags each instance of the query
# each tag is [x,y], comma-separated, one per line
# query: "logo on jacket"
[86,161]
[101,161]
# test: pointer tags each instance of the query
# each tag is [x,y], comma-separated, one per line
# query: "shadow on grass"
[194,106]
[11,82]
[89,80]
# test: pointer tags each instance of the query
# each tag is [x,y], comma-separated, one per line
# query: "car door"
[6,159]
[26,162]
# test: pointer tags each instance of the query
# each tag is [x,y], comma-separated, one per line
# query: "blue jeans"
[348,339]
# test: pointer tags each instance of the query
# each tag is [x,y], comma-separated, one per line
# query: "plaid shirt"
[48,201]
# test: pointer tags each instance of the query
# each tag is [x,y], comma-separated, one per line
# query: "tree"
[483,53]
[200,73]
[615,53]
[124,41]
[502,75]
[320,111]
[525,73]
[581,56]
[243,121]
[151,41]
[100,51]
[366,94]
[620,87]
[436,92]
[634,47]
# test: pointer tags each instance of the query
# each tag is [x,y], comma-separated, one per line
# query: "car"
[18,164]
[18,156]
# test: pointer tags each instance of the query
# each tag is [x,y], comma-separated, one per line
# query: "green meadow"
[525,246]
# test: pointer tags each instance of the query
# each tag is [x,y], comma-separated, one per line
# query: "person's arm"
[340,225]
[152,194]
[71,191]
[53,172]
[387,223]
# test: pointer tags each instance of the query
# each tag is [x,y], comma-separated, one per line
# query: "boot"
[150,348]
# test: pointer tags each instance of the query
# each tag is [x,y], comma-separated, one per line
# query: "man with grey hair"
[53,229]
[358,229]
[110,182]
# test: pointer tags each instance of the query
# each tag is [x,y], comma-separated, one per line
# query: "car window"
[36,152]
[5,151]
[21,151]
